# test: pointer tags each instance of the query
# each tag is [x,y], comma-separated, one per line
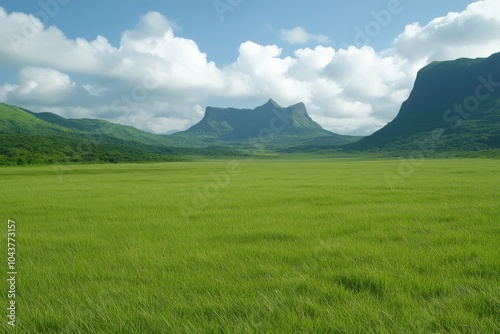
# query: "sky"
[156,65]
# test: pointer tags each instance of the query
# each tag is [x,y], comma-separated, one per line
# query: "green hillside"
[14,120]
[49,139]
[454,106]
[97,126]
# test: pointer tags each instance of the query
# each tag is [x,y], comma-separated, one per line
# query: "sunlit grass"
[285,246]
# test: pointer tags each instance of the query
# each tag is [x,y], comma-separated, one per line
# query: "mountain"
[454,106]
[269,126]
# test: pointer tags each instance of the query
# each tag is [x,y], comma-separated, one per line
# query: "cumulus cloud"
[150,47]
[472,33]
[177,63]
[157,81]
[265,71]
[5,90]
[25,41]
[299,35]
[41,85]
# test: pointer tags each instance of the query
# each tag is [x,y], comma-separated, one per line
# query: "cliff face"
[460,98]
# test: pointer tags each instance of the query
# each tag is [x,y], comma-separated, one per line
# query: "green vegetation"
[100,127]
[275,247]
[39,150]
[459,98]
[27,138]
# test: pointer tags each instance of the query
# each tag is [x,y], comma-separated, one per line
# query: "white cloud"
[472,33]
[299,35]
[94,91]
[261,72]
[40,85]
[151,47]
[157,81]
[5,90]
[177,63]
[311,62]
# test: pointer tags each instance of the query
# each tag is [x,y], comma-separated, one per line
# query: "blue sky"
[351,62]
[257,20]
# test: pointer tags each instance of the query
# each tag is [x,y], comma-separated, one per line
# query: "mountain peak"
[272,103]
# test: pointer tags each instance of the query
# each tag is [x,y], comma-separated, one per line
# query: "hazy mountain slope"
[101,127]
[269,125]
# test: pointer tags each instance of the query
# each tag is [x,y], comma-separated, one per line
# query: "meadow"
[263,246]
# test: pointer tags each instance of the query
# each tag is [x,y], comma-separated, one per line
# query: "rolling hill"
[30,138]
[101,127]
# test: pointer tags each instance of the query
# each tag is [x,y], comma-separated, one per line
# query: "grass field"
[319,246]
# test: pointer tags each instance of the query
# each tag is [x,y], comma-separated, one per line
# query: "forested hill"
[31,138]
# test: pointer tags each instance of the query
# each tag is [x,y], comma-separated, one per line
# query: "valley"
[453,107]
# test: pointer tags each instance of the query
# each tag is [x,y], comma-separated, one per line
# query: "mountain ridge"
[103,127]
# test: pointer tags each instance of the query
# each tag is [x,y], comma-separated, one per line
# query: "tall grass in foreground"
[286,247]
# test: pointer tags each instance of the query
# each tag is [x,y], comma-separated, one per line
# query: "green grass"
[284,247]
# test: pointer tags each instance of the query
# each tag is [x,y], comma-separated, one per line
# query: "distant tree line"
[23,149]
